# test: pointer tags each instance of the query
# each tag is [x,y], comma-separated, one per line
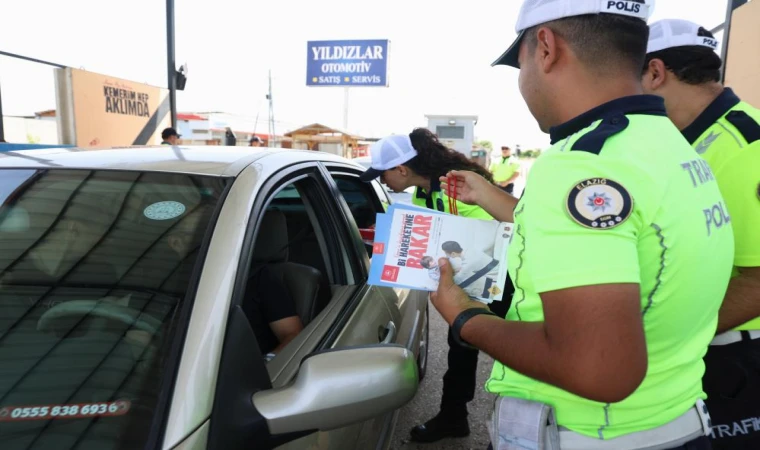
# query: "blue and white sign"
[347,63]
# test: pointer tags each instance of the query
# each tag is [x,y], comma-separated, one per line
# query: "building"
[742,64]
[325,139]
[210,128]
[41,128]
[456,132]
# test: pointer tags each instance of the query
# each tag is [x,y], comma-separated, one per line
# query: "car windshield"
[95,267]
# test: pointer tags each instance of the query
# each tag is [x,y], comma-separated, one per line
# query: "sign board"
[347,63]
[742,63]
[97,110]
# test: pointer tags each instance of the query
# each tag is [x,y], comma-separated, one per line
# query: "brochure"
[409,241]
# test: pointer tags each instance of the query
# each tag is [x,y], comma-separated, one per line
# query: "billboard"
[96,110]
[347,63]
[742,63]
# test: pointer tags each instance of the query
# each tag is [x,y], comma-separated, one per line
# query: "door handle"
[390,333]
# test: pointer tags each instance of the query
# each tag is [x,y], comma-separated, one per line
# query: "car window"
[95,267]
[363,202]
[289,276]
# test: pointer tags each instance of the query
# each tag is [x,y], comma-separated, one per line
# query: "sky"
[439,58]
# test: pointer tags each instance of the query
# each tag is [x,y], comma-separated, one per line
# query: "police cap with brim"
[388,153]
[537,12]
[676,33]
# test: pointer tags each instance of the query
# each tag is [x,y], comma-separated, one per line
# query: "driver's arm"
[286,330]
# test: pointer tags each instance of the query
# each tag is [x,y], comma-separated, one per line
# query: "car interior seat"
[302,282]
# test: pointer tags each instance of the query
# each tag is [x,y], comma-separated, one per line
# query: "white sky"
[440,57]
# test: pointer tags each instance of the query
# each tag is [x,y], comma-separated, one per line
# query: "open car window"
[95,267]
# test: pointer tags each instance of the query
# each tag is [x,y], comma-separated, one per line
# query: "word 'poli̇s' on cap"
[387,153]
[671,33]
[537,12]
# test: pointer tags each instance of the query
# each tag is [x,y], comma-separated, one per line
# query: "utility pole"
[272,135]
[170,61]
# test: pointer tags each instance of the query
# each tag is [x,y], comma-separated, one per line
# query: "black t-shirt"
[267,300]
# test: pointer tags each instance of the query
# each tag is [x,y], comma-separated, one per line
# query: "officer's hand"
[469,186]
[450,299]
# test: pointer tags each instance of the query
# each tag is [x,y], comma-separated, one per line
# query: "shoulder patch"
[746,125]
[599,203]
[594,140]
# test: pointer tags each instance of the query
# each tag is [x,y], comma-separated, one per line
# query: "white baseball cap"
[387,153]
[536,12]
[670,33]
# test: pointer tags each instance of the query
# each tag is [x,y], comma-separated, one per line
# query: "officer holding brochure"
[618,275]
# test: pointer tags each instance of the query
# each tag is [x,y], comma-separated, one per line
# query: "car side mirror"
[338,388]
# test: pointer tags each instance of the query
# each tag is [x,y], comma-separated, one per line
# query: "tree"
[485,144]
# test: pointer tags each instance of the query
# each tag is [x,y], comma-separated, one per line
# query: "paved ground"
[425,403]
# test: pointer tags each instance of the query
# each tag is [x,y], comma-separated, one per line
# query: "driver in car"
[271,311]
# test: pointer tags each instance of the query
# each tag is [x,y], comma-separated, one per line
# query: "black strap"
[746,125]
[745,335]
[462,318]
[480,273]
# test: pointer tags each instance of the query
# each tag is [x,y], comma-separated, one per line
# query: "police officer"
[170,136]
[619,274]
[418,160]
[506,170]
[683,67]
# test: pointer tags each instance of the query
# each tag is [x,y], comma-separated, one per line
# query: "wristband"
[462,318]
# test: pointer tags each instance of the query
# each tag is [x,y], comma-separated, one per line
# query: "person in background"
[169,136]
[255,141]
[419,159]
[619,273]
[506,170]
[683,67]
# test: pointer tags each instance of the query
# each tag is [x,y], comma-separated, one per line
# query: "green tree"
[485,144]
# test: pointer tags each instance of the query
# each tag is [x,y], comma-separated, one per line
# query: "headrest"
[272,239]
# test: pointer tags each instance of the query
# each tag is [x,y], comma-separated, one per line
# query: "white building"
[209,128]
[457,132]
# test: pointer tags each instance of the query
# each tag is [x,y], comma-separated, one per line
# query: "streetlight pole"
[170,61]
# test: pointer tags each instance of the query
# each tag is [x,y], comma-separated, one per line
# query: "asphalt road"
[425,404]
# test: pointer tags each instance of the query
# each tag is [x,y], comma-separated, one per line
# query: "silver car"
[132,310]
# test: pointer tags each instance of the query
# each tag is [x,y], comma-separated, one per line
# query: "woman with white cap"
[419,160]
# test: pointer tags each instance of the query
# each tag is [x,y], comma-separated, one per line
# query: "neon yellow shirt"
[613,201]
[727,135]
[439,201]
[504,168]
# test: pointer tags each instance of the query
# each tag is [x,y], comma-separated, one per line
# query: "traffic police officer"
[619,271]
[418,160]
[506,170]
[683,67]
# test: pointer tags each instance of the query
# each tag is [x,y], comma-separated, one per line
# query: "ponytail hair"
[435,160]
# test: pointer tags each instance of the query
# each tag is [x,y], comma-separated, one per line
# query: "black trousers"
[460,377]
[701,443]
[732,384]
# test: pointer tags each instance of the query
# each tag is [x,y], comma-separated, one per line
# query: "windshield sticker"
[164,210]
[76,411]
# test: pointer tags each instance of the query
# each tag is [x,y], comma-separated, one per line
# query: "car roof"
[201,160]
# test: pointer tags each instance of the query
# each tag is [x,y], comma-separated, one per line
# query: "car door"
[319,237]
[362,202]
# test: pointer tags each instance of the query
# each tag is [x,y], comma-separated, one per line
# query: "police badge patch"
[599,203]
